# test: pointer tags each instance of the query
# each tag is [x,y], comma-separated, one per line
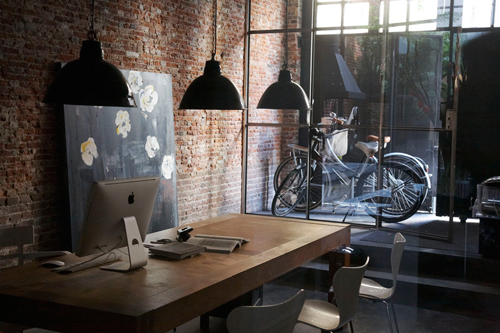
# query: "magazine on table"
[220,244]
[176,250]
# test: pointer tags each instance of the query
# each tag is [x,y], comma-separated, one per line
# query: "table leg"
[204,322]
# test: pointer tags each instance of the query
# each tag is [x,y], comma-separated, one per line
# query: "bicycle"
[404,185]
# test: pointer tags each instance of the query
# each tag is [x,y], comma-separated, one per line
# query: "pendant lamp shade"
[212,91]
[90,80]
[284,94]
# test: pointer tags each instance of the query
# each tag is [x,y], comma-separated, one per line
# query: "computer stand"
[136,253]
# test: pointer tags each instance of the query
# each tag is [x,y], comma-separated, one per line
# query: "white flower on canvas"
[152,146]
[148,98]
[167,166]
[135,81]
[122,122]
[89,151]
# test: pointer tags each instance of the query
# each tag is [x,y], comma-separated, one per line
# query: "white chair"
[18,237]
[376,292]
[327,316]
[278,318]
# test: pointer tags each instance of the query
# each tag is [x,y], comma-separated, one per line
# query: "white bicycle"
[404,185]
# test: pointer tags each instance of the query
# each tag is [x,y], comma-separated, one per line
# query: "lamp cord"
[92,35]
[214,40]
[285,61]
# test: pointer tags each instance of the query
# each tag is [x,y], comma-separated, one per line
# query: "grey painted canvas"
[104,143]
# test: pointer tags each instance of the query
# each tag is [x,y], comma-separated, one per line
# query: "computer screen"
[111,203]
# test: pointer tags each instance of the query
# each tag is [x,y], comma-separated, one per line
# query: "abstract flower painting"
[89,151]
[152,146]
[148,98]
[135,81]
[123,123]
[104,143]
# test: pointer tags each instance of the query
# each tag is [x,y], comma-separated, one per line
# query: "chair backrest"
[278,318]
[346,283]
[396,255]
[16,236]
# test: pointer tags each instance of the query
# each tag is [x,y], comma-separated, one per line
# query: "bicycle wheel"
[285,167]
[399,198]
[316,189]
[291,191]
[318,178]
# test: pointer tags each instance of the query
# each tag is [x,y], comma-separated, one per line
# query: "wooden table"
[165,294]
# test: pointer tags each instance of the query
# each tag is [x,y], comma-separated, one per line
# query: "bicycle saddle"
[369,148]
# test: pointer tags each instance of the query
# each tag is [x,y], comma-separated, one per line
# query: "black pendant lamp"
[212,90]
[284,94]
[90,80]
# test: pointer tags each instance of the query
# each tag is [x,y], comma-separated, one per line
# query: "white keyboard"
[81,265]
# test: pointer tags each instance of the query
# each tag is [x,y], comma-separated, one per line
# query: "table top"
[166,293]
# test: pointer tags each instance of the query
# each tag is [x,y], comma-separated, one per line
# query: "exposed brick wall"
[171,36]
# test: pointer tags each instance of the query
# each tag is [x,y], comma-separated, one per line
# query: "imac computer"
[118,215]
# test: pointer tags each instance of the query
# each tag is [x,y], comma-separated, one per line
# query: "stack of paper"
[176,250]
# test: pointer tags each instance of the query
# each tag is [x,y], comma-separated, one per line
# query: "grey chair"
[376,292]
[18,237]
[278,318]
[327,316]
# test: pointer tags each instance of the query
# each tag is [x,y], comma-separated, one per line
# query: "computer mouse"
[53,263]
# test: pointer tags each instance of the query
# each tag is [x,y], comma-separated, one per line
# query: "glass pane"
[328,32]
[329,16]
[267,148]
[443,13]
[409,97]
[422,27]
[417,82]
[476,13]
[355,31]
[356,14]
[397,11]
[267,56]
[421,10]
[401,28]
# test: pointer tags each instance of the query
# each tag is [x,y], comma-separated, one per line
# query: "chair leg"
[388,315]
[394,315]
[350,325]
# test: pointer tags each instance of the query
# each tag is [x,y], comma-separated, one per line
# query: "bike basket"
[337,143]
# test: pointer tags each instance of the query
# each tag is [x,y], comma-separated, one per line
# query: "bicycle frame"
[348,176]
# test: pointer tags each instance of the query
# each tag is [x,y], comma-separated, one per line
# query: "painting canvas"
[105,143]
